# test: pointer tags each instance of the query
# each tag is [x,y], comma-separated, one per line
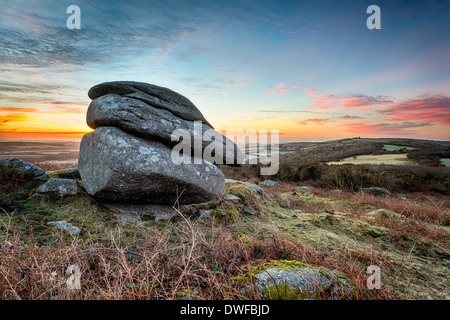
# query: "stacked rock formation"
[127,159]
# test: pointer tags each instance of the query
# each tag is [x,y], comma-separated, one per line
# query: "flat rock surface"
[159,97]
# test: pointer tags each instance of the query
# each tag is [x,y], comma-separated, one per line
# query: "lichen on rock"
[294,280]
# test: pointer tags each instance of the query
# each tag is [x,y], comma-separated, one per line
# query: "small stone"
[384,212]
[63,187]
[304,189]
[248,211]
[64,225]
[380,192]
[298,211]
[255,187]
[324,216]
[231,197]
[205,214]
[270,183]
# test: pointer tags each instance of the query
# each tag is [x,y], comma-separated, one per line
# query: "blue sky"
[309,68]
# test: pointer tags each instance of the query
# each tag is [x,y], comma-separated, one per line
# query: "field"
[445,162]
[394,159]
[391,147]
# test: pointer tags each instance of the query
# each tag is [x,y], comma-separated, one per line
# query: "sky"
[311,69]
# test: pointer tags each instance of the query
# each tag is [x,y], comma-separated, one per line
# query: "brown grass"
[194,259]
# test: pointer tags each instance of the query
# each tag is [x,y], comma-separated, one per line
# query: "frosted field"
[375,159]
[393,147]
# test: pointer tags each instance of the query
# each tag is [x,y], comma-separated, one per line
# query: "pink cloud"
[310,91]
[351,117]
[433,109]
[329,101]
[280,90]
[382,128]
[315,121]
[18,109]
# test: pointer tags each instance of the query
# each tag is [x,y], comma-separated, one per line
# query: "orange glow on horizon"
[41,135]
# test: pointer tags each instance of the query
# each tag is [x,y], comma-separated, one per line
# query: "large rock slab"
[118,166]
[146,121]
[24,169]
[159,97]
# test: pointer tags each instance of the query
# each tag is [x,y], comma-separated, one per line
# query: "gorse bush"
[353,177]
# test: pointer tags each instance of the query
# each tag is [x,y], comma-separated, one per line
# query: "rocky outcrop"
[143,120]
[128,159]
[117,166]
[24,169]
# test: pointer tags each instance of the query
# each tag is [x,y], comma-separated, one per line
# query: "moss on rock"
[295,280]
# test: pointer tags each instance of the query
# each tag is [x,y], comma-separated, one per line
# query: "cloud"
[65,110]
[315,121]
[16,117]
[38,36]
[351,117]
[382,128]
[292,31]
[18,109]
[280,90]
[310,91]
[252,119]
[288,111]
[329,101]
[426,108]
[58,110]
[434,109]
[7,86]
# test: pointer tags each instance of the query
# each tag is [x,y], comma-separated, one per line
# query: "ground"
[197,258]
